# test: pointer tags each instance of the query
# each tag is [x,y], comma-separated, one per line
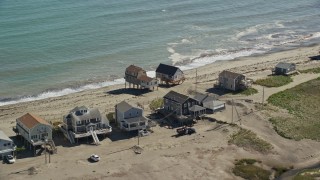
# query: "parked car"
[144,132]
[10,159]
[95,158]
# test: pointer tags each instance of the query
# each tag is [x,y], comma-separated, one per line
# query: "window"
[133,125]
[185,105]
[142,123]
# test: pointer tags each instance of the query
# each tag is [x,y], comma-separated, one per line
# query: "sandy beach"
[204,155]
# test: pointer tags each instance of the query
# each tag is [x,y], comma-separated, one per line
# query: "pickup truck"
[185,130]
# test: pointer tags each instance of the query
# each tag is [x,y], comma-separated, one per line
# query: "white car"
[95,158]
[10,159]
[144,132]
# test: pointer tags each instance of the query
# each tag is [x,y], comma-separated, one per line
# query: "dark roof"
[229,74]
[284,65]
[30,120]
[180,98]
[196,108]
[133,68]
[166,69]
[123,106]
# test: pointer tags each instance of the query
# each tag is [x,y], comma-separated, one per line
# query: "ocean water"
[52,47]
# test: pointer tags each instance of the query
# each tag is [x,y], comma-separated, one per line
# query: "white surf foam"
[63,92]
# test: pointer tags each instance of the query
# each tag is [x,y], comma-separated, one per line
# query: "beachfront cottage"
[84,122]
[169,74]
[130,117]
[283,68]
[210,103]
[7,147]
[178,104]
[138,77]
[35,130]
[232,81]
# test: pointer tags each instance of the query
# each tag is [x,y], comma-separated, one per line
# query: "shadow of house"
[130,91]
[118,134]
[218,91]
[315,57]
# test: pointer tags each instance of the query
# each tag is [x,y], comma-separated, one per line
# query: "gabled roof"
[134,69]
[3,136]
[123,106]
[202,97]
[145,78]
[229,74]
[167,69]
[90,114]
[180,98]
[30,120]
[284,65]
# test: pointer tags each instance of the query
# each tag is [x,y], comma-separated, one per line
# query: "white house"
[130,117]
[6,145]
[34,129]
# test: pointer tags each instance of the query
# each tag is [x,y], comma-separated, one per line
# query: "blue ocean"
[51,48]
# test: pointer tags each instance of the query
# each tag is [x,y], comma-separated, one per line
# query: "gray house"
[211,104]
[169,74]
[130,117]
[178,104]
[283,68]
[84,122]
[7,147]
[138,77]
[232,81]
[35,130]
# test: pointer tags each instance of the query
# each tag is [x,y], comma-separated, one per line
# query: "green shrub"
[156,104]
[247,170]
[249,91]
[312,70]
[110,117]
[274,81]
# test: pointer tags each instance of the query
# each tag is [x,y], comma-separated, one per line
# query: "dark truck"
[185,130]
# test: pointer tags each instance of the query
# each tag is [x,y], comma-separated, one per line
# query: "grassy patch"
[249,91]
[246,169]
[279,170]
[312,70]
[308,174]
[249,140]
[274,81]
[303,102]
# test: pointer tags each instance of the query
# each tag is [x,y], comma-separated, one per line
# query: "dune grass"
[249,140]
[249,91]
[247,169]
[274,81]
[308,174]
[312,70]
[303,102]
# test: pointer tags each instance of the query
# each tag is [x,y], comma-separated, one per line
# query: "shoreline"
[186,67]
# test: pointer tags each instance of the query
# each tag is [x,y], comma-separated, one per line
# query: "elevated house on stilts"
[169,74]
[138,77]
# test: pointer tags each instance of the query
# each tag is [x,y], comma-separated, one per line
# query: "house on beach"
[130,117]
[7,147]
[283,68]
[211,104]
[169,74]
[84,122]
[232,81]
[35,130]
[138,77]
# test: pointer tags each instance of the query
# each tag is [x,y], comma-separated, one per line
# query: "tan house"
[130,117]
[232,81]
[138,77]
[35,130]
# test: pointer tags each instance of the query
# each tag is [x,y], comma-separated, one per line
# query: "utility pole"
[262,97]
[232,110]
[196,79]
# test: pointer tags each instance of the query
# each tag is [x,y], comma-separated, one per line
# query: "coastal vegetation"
[110,117]
[247,169]
[249,91]
[274,81]
[312,70]
[156,104]
[303,103]
[310,174]
[249,140]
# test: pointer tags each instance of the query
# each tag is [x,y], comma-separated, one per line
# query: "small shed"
[283,68]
